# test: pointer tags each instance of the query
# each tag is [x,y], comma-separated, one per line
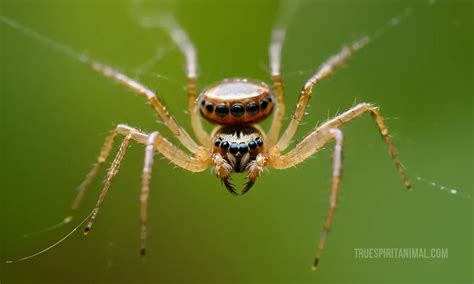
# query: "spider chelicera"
[237,143]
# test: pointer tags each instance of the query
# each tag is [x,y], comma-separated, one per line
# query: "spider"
[237,143]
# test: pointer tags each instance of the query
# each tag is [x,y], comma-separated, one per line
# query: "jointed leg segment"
[311,144]
[108,180]
[278,37]
[154,141]
[325,70]
[180,37]
[334,196]
[357,111]
[316,139]
[146,176]
[104,154]
[157,105]
[319,137]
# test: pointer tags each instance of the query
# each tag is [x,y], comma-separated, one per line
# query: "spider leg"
[157,105]
[108,180]
[165,147]
[315,141]
[334,196]
[357,111]
[146,176]
[278,37]
[180,37]
[175,155]
[325,70]
[103,156]
[122,79]
[312,142]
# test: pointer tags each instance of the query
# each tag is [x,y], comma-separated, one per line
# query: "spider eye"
[225,145]
[252,145]
[252,108]
[217,142]
[264,104]
[236,101]
[243,148]
[209,108]
[259,141]
[237,110]
[222,110]
[234,148]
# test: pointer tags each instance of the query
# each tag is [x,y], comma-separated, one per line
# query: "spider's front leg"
[326,69]
[179,132]
[180,37]
[316,140]
[278,37]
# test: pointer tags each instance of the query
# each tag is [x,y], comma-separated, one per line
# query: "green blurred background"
[56,112]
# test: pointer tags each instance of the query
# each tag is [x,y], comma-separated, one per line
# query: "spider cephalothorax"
[237,144]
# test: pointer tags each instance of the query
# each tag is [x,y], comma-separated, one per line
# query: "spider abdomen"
[236,101]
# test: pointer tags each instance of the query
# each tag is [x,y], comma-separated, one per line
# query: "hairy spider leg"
[315,140]
[276,44]
[154,142]
[157,105]
[325,70]
[360,109]
[108,180]
[179,36]
[104,154]
[145,189]
[165,147]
